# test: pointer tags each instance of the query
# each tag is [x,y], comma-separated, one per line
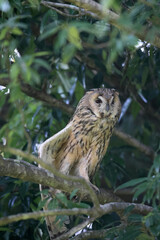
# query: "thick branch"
[113,18]
[42,96]
[97,9]
[87,187]
[28,172]
[116,207]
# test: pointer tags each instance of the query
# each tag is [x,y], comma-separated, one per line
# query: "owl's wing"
[48,149]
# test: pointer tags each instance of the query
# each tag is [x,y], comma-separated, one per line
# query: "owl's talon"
[95,187]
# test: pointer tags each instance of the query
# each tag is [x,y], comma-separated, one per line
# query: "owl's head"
[104,103]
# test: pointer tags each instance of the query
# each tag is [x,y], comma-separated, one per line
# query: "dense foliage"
[48,61]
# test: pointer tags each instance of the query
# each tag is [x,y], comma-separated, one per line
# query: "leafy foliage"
[62,57]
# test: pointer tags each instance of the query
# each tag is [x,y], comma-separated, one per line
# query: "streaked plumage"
[80,146]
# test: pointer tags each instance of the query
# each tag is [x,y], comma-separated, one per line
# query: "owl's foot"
[95,188]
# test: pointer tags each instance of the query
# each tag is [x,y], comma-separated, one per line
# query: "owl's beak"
[107,107]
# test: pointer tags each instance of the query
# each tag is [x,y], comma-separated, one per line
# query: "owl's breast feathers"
[91,137]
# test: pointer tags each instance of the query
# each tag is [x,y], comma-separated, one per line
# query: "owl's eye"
[98,100]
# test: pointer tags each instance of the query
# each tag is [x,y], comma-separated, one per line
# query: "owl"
[79,148]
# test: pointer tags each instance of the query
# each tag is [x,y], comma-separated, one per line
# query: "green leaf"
[132,183]
[79,91]
[3,33]
[42,63]
[51,31]
[5,229]
[44,192]
[17,31]
[73,37]
[61,39]
[135,108]
[140,189]
[47,17]
[68,53]
[42,203]
[73,193]
[145,236]
[14,72]
[3,95]
[40,54]
[53,204]
[34,3]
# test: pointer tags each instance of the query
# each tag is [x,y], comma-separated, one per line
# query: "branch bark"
[42,96]
[92,212]
[56,173]
[62,5]
[148,151]
[29,172]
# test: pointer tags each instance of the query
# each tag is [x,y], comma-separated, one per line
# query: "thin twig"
[97,234]
[75,229]
[69,6]
[39,214]
[62,13]
[93,212]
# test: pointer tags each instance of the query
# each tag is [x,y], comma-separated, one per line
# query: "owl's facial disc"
[104,103]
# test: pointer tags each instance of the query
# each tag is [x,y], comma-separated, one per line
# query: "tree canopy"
[52,52]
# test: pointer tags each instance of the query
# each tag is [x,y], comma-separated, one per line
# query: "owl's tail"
[55,228]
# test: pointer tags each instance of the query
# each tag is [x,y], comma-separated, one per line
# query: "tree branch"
[93,234]
[81,11]
[40,95]
[86,186]
[92,212]
[116,207]
[75,229]
[28,172]
[97,9]
[39,214]
[148,151]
